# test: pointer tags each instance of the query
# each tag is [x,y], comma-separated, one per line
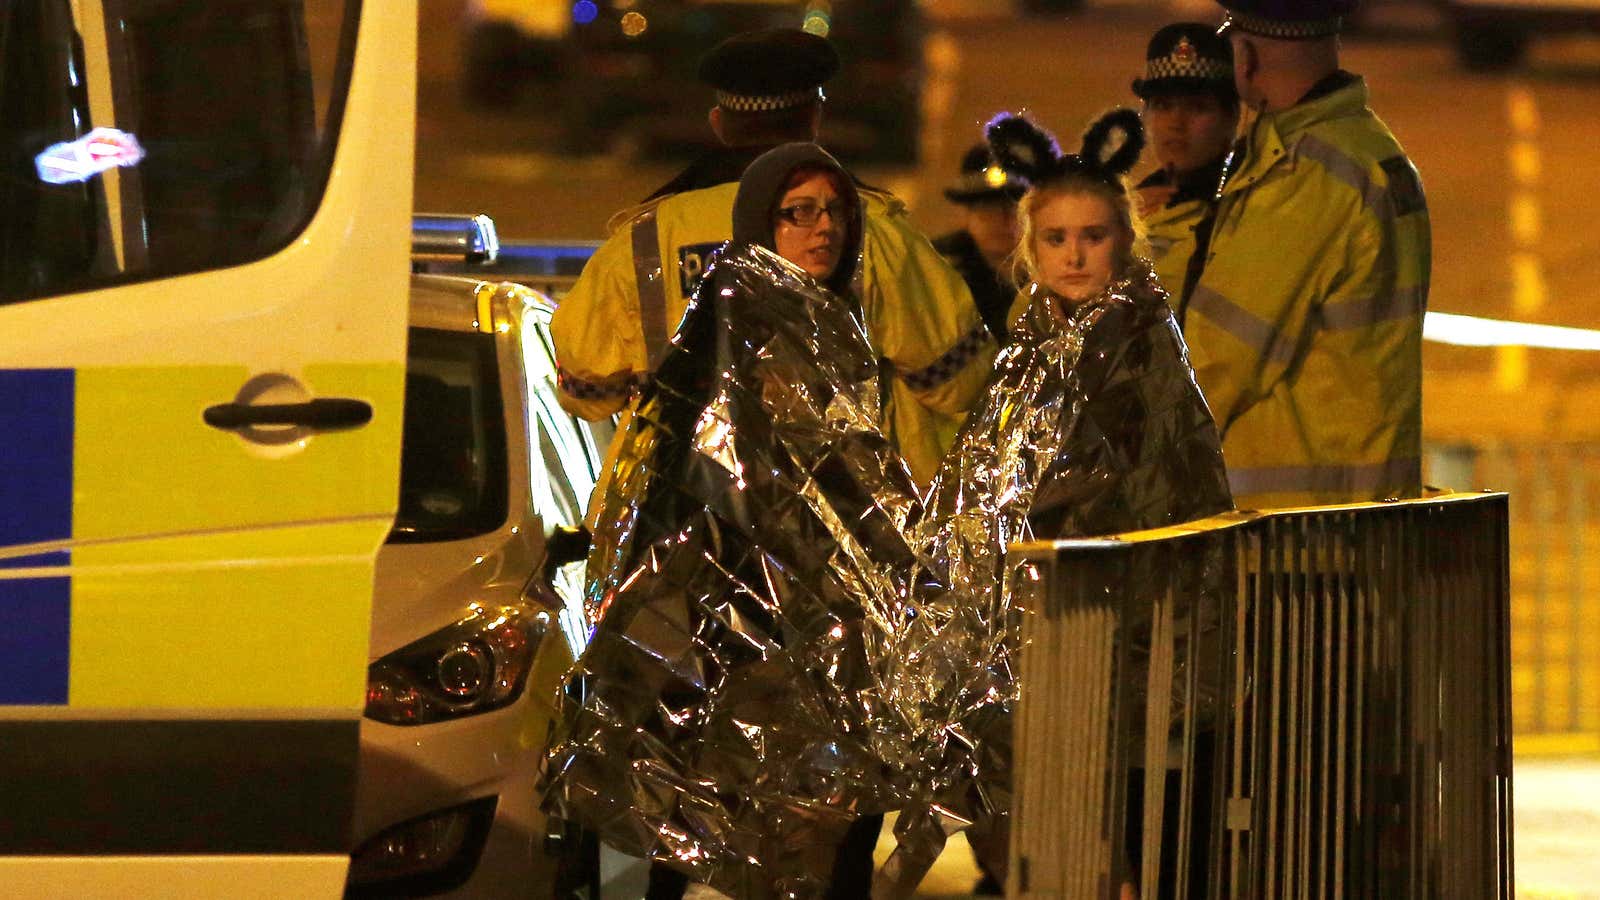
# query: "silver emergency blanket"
[778,646]
[750,568]
[1093,425]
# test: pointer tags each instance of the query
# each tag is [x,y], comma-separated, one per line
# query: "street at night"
[1507,160]
[800,449]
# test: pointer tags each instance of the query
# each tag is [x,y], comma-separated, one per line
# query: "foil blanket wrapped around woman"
[751,562]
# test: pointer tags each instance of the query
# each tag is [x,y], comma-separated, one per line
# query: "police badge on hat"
[1186,57]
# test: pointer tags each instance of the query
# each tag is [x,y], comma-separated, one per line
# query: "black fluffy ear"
[1114,141]
[1022,147]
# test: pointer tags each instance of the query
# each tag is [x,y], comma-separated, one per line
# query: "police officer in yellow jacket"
[611,328]
[1191,111]
[1305,326]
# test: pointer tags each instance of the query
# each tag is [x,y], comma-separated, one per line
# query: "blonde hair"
[1025,265]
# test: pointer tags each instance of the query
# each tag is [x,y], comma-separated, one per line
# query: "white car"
[477,610]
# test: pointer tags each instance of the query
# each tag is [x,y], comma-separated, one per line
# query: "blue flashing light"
[584,12]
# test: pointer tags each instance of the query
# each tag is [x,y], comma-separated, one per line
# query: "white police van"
[205,212]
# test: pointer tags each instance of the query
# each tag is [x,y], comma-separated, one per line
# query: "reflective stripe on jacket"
[1305,328]
[918,312]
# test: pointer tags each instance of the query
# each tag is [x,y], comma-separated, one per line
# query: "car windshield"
[564,463]
[453,476]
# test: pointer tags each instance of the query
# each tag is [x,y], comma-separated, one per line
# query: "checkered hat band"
[767,102]
[1198,67]
[1272,28]
[620,385]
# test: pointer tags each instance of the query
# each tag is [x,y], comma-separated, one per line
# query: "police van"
[204,254]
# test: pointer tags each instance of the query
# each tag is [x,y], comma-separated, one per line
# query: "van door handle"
[328,414]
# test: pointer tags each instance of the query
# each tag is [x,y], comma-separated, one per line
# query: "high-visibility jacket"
[1305,327]
[1170,228]
[611,328]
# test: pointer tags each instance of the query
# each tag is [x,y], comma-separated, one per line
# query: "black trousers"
[852,867]
[1200,791]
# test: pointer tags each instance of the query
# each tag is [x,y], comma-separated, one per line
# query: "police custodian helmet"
[1288,20]
[1186,58]
[769,70]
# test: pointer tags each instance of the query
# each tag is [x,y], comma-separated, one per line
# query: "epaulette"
[627,215]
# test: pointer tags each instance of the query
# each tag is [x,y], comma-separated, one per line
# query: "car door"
[204,226]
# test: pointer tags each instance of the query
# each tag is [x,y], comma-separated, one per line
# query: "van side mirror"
[564,546]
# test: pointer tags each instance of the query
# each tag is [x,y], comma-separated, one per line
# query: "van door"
[204,226]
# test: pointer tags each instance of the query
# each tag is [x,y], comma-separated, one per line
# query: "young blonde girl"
[1092,425]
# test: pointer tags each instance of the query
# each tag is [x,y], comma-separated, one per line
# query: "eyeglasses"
[808,214]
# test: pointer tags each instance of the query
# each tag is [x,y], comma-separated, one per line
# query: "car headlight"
[478,664]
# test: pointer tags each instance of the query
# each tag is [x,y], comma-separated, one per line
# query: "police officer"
[1191,111]
[610,330]
[981,248]
[1305,325]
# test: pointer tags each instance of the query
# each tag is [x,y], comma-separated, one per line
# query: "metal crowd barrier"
[1555,620]
[1322,696]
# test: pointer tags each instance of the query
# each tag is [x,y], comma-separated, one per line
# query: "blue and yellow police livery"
[203,273]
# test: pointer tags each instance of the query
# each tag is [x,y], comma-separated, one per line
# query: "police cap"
[771,69]
[983,179]
[1286,19]
[1184,58]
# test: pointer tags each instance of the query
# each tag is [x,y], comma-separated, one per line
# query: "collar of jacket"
[709,169]
[725,165]
[1201,184]
[1274,134]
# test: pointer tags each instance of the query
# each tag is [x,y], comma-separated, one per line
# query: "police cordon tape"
[1471,331]
[556,263]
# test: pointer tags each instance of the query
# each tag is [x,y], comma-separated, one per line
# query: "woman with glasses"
[748,552]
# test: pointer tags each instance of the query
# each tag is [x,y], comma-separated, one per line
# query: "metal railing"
[1308,703]
[1555,621]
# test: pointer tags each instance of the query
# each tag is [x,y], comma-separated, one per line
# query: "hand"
[1154,197]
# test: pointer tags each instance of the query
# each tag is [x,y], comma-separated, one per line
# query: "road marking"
[1525,224]
[1527,276]
[941,57]
[1525,221]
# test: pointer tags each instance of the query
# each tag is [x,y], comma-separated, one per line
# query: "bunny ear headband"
[1110,147]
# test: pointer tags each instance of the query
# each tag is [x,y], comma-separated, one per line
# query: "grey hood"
[761,188]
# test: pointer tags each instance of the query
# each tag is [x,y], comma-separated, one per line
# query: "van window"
[147,138]
[453,470]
